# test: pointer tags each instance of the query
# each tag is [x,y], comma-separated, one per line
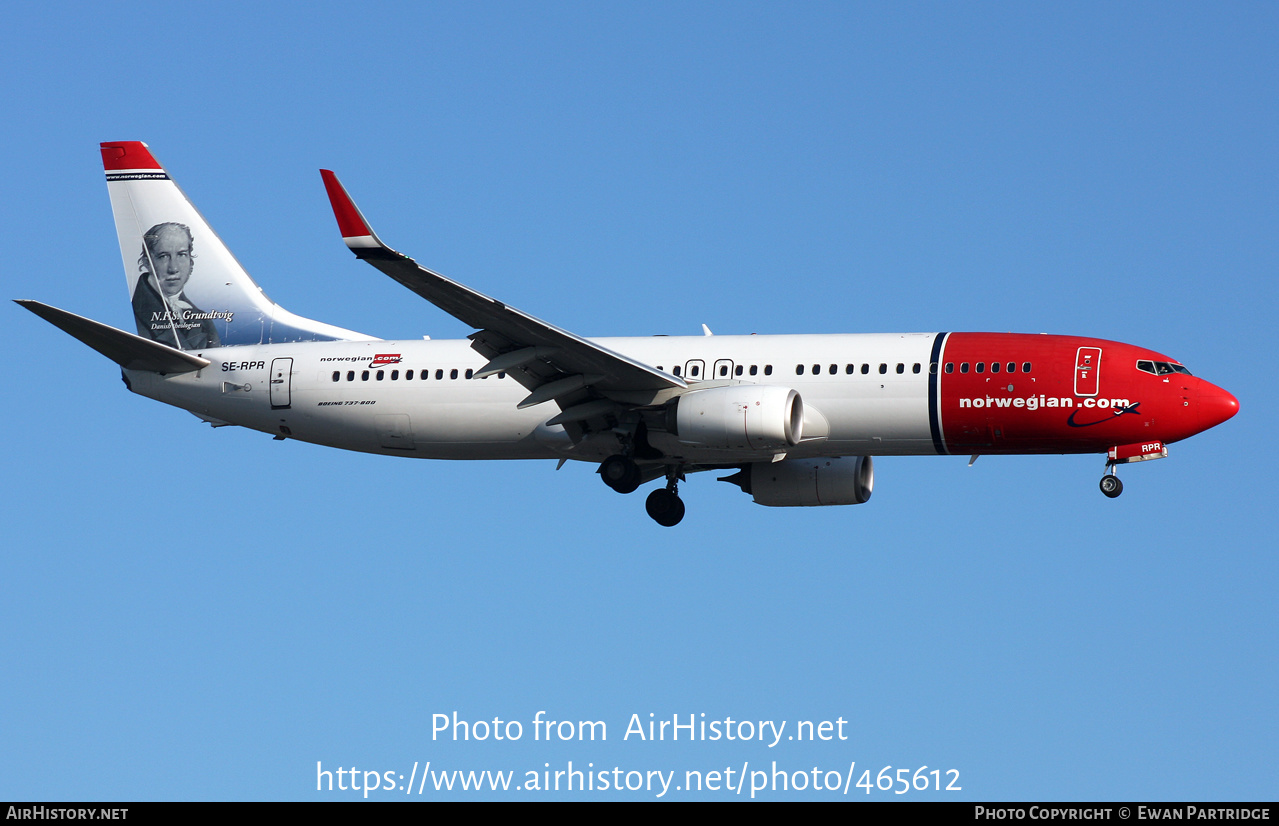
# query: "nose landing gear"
[1122,455]
[1110,484]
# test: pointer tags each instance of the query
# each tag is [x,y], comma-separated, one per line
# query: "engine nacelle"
[739,417]
[791,483]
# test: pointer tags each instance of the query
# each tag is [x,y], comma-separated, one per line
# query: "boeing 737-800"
[794,419]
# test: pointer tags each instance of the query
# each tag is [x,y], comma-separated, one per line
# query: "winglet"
[356,232]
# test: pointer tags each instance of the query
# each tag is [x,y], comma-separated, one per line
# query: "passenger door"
[1087,371]
[281,382]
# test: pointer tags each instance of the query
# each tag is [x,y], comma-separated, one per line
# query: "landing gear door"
[281,380]
[1087,370]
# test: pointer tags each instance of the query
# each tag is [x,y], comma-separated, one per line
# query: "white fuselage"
[353,395]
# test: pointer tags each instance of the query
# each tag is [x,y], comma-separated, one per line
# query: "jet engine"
[847,480]
[739,417]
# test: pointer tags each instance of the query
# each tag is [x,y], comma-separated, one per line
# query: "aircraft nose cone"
[1215,405]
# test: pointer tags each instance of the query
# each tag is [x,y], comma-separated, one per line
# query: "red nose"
[1215,405]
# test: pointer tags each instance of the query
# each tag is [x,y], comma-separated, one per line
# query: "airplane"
[795,420]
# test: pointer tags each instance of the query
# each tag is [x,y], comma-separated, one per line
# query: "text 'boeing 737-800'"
[794,419]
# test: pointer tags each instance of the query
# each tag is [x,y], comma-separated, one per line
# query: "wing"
[586,380]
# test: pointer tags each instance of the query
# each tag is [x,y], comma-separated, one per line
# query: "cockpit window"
[1161,368]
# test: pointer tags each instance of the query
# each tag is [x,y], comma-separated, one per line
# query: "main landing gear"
[620,473]
[664,505]
[1110,484]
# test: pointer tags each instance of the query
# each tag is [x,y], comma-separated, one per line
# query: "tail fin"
[188,290]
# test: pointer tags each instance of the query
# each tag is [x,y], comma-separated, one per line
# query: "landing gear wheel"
[1111,486]
[620,473]
[665,506]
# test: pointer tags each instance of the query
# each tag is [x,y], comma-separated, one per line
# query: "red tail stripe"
[127,155]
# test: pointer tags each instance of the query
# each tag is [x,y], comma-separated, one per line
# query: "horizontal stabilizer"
[125,349]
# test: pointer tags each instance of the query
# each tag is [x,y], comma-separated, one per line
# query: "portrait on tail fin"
[160,306]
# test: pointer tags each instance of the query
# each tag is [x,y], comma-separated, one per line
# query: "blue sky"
[201,614]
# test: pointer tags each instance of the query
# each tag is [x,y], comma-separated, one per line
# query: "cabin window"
[981,367]
[817,369]
[337,374]
[737,371]
[932,369]
[915,369]
[675,369]
[469,372]
[395,375]
[883,368]
[901,368]
[963,367]
[694,370]
[865,369]
[439,374]
[799,369]
[768,369]
[364,375]
[381,374]
[1025,367]
[408,375]
[723,370]
[950,367]
[994,367]
[350,375]
[1012,367]
[453,373]
[850,368]
[754,369]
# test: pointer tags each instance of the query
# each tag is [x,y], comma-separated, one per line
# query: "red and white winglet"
[356,232]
